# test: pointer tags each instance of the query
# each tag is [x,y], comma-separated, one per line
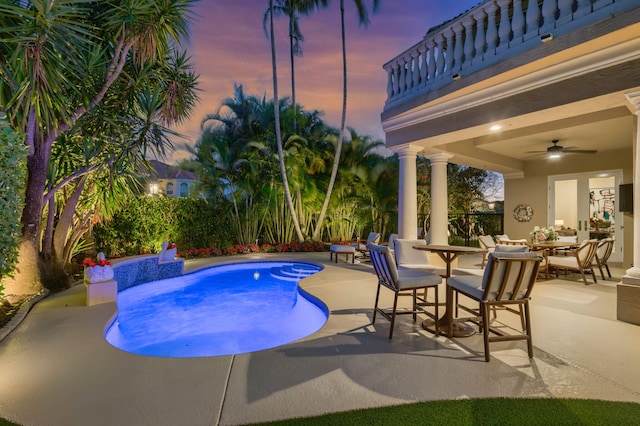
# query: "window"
[170,188]
[184,190]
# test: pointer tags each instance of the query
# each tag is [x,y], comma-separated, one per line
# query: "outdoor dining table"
[448,254]
[548,246]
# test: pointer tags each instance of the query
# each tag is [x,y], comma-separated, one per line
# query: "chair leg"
[415,306]
[601,271]
[393,314]
[437,318]
[485,330]
[528,329]
[608,271]
[375,307]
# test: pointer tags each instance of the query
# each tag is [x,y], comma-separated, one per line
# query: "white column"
[633,274]
[439,200]
[408,192]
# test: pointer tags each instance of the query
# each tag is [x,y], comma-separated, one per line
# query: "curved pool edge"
[275,259]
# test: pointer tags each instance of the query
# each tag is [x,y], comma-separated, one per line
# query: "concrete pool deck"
[57,369]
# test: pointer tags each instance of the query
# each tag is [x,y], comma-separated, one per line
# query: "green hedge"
[13,158]
[145,222]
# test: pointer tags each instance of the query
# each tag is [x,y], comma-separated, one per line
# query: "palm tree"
[292,9]
[62,59]
[276,110]
[363,19]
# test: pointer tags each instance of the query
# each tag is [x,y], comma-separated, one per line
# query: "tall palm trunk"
[293,76]
[276,110]
[343,119]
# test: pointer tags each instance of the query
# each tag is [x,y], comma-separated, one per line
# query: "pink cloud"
[228,46]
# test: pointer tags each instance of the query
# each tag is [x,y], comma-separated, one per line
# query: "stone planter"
[101,292]
[96,274]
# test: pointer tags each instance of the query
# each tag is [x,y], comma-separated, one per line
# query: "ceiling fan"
[556,150]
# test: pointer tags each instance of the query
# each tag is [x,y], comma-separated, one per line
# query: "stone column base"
[629,303]
[101,292]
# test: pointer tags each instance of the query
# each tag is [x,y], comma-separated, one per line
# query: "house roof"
[165,171]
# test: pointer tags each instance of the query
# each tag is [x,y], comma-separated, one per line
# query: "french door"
[588,204]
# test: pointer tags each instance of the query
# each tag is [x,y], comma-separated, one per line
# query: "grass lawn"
[498,411]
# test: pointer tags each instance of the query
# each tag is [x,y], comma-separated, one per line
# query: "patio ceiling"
[604,124]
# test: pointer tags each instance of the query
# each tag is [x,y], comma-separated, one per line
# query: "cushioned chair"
[409,258]
[605,247]
[486,242]
[392,242]
[507,283]
[581,259]
[401,282]
[372,238]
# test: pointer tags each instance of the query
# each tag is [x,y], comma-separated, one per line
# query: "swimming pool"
[222,310]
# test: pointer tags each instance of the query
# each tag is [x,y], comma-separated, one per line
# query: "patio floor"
[56,368]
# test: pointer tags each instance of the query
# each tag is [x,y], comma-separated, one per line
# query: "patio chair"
[372,238]
[392,242]
[401,282]
[605,247]
[409,258]
[486,242]
[580,259]
[507,283]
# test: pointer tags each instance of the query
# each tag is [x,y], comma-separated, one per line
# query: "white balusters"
[448,58]
[389,70]
[476,38]
[415,73]
[504,30]
[468,39]
[549,10]
[517,22]
[584,8]
[532,19]
[492,30]
[423,63]
[481,42]
[440,60]
[458,52]
[565,11]
[431,66]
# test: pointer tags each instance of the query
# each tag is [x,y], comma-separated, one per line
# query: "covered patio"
[57,369]
[499,88]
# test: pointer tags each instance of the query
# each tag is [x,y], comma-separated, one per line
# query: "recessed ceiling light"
[495,127]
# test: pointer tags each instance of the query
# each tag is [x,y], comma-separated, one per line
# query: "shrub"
[145,222]
[13,157]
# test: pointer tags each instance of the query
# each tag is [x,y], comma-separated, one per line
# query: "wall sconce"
[546,37]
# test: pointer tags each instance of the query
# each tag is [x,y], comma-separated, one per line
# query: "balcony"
[507,32]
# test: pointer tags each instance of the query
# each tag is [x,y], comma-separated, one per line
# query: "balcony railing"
[486,34]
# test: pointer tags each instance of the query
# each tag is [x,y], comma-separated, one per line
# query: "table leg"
[459,330]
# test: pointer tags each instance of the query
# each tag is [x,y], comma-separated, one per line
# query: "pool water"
[222,310]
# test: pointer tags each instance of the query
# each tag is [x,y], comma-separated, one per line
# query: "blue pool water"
[221,310]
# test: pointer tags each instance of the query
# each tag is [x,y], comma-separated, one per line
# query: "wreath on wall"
[523,212]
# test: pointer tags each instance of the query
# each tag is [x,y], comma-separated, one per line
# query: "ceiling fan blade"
[580,151]
[536,152]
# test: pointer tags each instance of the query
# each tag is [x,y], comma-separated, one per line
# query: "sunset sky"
[228,45]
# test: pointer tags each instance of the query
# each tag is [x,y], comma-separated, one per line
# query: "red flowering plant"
[91,263]
[171,246]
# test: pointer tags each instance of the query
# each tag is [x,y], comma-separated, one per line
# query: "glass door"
[585,205]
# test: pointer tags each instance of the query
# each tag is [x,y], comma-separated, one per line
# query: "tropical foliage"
[90,119]
[13,156]
[144,223]
[238,154]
